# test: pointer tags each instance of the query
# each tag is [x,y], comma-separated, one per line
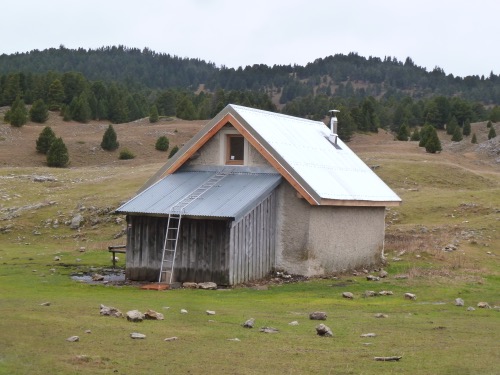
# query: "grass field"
[444,203]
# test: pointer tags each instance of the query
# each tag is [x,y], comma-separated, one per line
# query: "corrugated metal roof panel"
[231,197]
[332,172]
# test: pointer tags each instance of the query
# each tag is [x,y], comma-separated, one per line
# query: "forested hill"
[342,76]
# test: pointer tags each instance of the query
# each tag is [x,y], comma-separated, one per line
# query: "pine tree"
[403,133]
[433,143]
[457,135]
[39,112]
[488,124]
[57,156]
[173,151]
[451,125]
[56,95]
[80,109]
[424,134]
[153,114]
[45,140]
[492,133]
[109,139]
[474,138]
[467,128]
[162,143]
[415,136]
[17,115]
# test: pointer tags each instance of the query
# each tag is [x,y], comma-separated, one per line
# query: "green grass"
[432,335]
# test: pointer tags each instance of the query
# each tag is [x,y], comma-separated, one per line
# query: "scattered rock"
[235,339]
[268,330]
[380,315]
[483,305]
[348,295]
[369,293]
[97,277]
[81,249]
[57,258]
[323,330]
[173,338]
[372,278]
[388,359]
[184,311]
[470,308]
[459,302]
[368,335]
[317,315]
[189,285]
[110,311]
[410,296]
[135,316]
[210,312]
[73,339]
[450,248]
[383,274]
[136,335]
[76,222]
[294,323]
[153,315]
[207,286]
[88,331]
[385,293]
[249,323]
[45,304]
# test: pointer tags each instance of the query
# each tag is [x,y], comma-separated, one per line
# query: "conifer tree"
[488,124]
[173,151]
[39,112]
[474,138]
[109,139]
[45,140]
[17,115]
[162,143]
[153,114]
[56,95]
[457,135]
[451,125]
[57,156]
[492,133]
[467,128]
[433,143]
[415,136]
[424,134]
[403,133]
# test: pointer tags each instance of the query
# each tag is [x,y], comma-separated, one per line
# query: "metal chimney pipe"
[333,124]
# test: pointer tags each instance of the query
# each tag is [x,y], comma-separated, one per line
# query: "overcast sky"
[461,37]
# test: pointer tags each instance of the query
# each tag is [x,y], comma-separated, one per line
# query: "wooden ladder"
[174,226]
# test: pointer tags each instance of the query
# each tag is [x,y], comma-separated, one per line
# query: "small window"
[235,149]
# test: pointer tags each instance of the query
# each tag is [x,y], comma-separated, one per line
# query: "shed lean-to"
[290,199]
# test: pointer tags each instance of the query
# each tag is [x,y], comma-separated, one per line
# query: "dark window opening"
[235,149]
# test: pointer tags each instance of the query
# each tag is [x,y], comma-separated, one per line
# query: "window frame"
[228,160]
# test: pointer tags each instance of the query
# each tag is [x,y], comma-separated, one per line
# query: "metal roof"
[303,148]
[231,197]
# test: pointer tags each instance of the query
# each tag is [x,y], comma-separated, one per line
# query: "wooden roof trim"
[275,163]
[199,143]
[359,203]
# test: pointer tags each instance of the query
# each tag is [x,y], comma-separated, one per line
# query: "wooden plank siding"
[221,251]
[252,243]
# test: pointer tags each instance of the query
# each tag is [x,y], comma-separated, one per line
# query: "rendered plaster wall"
[292,224]
[319,240]
[213,152]
[344,238]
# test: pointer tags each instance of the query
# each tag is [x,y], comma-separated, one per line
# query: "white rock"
[294,323]
[459,302]
[210,312]
[136,335]
[368,335]
[173,338]
[184,311]
[73,339]
[410,296]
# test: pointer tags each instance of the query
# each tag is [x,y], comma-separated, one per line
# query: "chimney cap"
[333,112]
